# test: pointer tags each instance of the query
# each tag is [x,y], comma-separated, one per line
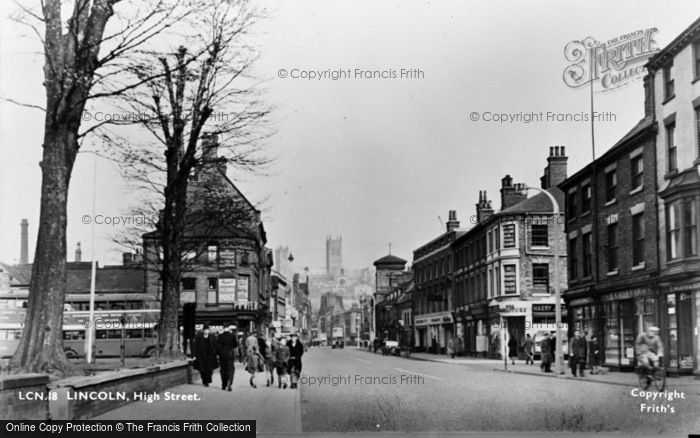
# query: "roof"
[639,129]
[390,260]
[682,40]
[20,274]
[539,203]
[107,279]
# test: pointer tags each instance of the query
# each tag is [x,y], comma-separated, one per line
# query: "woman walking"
[512,347]
[255,363]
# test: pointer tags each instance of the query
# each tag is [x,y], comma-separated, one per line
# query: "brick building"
[504,266]
[611,234]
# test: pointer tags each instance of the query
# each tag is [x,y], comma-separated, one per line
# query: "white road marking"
[418,374]
[362,360]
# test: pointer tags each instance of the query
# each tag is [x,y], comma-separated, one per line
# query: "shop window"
[637,164]
[212,292]
[612,247]
[539,235]
[638,249]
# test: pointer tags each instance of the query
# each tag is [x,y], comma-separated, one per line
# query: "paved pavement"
[610,377]
[276,410]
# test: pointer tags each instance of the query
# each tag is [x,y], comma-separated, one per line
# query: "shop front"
[623,316]
[434,331]
[678,310]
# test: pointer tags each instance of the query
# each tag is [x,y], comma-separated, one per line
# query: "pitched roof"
[19,274]
[107,279]
[540,203]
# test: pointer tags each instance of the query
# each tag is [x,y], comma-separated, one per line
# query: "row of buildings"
[626,238]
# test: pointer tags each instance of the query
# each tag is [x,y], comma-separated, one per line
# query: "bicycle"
[648,374]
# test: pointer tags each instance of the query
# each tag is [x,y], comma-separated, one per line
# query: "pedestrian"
[512,347]
[250,342]
[451,348]
[594,355]
[459,346]
[578,352]
[546,353]
[227,344]
[282,362]
[434,345]
[205,354]
[254,363]
[269,356]
[528,347]
[296,351]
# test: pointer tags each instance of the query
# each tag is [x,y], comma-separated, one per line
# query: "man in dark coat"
[205,353]
[578,352]
[546,353]
[227,344]
[512,347]
[296,350]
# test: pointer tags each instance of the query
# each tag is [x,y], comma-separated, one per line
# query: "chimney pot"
[551,151]
[562,152]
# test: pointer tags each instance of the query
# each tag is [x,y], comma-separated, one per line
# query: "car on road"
[338,343]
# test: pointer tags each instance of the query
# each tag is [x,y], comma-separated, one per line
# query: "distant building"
[334,256]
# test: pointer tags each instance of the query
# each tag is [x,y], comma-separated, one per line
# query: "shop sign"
[421,321]
[625,294]
[512,309]
[684,287]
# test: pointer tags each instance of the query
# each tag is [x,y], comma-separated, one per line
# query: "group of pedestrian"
[259,354]
[455,347]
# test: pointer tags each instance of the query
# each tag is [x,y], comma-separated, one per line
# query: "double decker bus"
[133,316]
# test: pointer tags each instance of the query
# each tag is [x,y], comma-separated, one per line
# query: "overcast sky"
[373,160]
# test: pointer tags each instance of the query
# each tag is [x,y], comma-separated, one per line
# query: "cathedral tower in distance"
[334,257]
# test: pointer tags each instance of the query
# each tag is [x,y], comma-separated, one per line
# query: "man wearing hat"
[205,353]
[227,344]
[296,350]
[649,347]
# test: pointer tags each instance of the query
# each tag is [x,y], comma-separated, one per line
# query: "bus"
[139,312]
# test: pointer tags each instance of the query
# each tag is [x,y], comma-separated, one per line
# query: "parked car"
[391,347]
[539,336]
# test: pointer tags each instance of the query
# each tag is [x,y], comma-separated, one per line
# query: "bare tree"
[202,88]
[84,58]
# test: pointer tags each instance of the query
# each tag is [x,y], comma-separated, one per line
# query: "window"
[669,91]
[690,235]
[586,243]
[212,252]
[540,276]
[697,128]
[610,185]
[637,171]
[539,235]
[189,283]
[212,293]
[571,206]
[586,198]
[612,247]
[673,230]
[573,258]
[638,250]
[509,236]
[696,54]
[509,280]
[244,258]
[490,240]
[671,146]
[497,290]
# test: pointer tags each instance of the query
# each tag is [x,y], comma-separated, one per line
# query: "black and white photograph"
[290,217]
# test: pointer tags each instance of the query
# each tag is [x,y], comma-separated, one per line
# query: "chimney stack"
[648,95]
[452,223]
[483,207]
[24,245]
[127,259]
[78,253]
[511,193]
[555,172]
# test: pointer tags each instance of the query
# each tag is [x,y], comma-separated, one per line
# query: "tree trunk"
[41,345]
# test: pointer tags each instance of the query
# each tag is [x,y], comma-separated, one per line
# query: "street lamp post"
[559,359]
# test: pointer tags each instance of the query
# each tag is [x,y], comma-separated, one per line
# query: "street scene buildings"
[561,293]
